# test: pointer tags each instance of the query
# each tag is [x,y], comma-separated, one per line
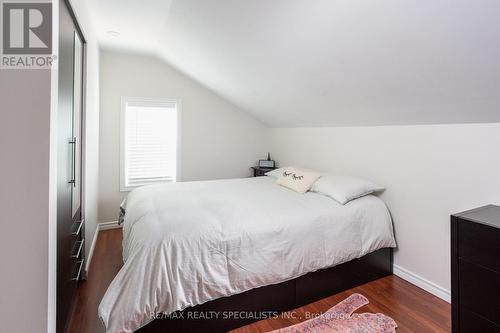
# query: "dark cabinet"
[259,172]
[475,270]
[70,222]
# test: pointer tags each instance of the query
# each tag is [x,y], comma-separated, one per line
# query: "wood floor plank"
[413,309]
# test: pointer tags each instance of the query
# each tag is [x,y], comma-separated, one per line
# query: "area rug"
[340,319]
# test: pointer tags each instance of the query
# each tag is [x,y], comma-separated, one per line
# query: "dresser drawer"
[473,323]
[479,244]
[480,290]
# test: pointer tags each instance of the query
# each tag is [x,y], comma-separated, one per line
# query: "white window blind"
[149,142]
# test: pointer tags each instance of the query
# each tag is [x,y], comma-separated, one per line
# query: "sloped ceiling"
[294,63]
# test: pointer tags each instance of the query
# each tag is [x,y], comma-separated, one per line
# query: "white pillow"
[276,173]
[344,188]
[297,179]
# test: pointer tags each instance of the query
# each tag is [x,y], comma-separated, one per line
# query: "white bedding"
[188,243]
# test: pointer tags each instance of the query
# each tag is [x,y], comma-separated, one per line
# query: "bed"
[219,245]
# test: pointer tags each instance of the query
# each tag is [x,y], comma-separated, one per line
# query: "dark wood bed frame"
[276,298]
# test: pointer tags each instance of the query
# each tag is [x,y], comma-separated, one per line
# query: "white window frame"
[124,101]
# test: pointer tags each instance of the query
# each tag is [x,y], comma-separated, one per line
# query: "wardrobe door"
[77,126]
[70,245]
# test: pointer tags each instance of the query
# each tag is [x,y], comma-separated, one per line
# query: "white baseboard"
[99,227]
[108,225]
[91,251]
[422,283]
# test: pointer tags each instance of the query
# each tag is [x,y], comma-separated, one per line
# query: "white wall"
[218,140]
[430,172]
[24,201]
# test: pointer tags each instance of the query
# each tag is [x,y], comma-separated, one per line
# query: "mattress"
[188,243]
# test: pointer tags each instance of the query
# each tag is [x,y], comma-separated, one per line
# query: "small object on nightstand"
[475,270]
[258,171]
[267,164]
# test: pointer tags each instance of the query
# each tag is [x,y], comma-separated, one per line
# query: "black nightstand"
[258,172]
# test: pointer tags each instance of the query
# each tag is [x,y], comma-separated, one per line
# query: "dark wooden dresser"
[475,270]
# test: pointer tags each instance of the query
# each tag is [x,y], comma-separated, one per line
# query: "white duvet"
[188,243]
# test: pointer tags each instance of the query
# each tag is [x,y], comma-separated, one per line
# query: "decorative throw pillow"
[344,188]
[277,173]
[297,179]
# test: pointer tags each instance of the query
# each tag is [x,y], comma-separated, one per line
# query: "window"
[148,141]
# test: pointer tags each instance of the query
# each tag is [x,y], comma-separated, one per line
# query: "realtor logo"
[26,34]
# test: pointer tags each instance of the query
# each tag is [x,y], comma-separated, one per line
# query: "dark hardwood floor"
[413,309]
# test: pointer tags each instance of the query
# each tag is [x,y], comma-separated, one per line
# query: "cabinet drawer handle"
[77,231]
[73,168]
[80,263]
[79,249]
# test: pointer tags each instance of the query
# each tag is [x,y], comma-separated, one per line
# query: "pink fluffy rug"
[340,319]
